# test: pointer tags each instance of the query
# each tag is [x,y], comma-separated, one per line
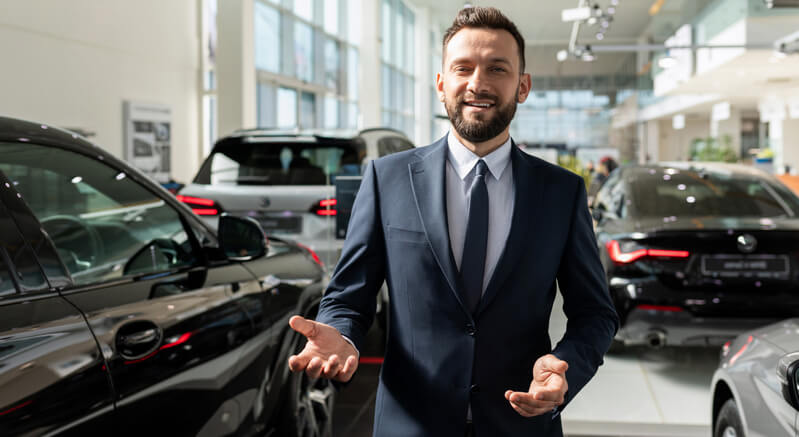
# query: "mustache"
[479,96]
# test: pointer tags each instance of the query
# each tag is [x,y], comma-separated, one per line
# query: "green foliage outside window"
[713,149]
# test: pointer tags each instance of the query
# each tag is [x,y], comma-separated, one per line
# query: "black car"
[122,312]
[696,253]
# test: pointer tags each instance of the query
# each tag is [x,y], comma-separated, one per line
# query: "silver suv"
[285,180]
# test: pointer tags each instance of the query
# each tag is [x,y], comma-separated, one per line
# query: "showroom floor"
[641,392]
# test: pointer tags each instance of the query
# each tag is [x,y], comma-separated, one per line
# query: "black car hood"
[712,223]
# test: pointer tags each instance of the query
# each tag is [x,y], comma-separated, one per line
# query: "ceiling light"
[614,2]
[588,56]
[605,24]
[562,55]
[600,36]
[667,62]
[576,14]
[592,21]
[611,10]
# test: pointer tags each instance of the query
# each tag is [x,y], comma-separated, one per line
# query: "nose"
[477,82]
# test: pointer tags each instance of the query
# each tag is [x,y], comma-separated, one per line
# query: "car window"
[287,163]
[6,284]
[672,192]
[18,256]
[389,145]
[103,224]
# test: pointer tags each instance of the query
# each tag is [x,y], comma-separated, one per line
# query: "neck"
[483,148]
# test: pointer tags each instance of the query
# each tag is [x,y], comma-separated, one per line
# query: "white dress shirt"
[460,172]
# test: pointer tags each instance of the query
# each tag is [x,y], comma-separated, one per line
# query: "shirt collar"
[463,159]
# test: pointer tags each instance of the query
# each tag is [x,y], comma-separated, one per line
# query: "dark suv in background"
[121,310]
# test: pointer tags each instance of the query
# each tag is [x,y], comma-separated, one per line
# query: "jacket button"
[470,329]
[474,389]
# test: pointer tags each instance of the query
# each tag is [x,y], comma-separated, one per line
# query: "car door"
[163,308]
[52,373]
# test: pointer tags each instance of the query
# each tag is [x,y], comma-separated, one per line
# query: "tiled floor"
[641,392]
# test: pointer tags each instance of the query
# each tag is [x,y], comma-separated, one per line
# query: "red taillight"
[197,203]
[615,253]
[313,254]
[666,308]
[325,207]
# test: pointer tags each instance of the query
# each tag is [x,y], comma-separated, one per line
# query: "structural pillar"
[370,91]
[235,66]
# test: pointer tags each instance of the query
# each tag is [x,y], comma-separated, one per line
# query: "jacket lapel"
[428,179]
[528,185]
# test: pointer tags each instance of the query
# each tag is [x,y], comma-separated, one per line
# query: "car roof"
[310,135]
[722,168]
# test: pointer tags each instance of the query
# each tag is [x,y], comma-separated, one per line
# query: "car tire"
[728,423]
[308,411]
[617,347]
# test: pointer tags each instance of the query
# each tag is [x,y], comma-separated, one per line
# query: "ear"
[440,87]
[525,85]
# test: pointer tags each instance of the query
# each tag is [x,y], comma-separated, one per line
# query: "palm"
[326,352]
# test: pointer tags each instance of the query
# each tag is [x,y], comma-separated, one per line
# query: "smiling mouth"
[479,105]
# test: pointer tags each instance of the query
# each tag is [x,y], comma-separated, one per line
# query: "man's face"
[481,84]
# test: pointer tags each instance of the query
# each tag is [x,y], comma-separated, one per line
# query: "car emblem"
[265,202]
[746,243]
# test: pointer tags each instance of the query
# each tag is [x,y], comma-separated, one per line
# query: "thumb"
[304,326]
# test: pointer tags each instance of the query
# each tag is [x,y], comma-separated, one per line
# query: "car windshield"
[661,192]
[282,163]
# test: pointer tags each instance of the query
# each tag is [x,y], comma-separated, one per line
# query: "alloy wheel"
[315,407]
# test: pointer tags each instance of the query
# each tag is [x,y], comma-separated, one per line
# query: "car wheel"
[309,407]
[728,423]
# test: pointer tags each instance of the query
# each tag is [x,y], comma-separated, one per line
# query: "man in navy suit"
[471,235]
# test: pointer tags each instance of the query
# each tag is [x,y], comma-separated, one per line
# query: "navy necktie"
[474,248]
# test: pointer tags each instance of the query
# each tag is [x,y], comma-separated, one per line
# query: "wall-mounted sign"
[678,121]
[148,136]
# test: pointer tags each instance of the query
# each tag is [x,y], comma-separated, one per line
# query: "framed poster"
[148,136]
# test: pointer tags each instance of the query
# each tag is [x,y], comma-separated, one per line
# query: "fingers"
[306,327]
[297,363]
[332,367]
[551,363]
[526,405]
[314,368]
[349,369]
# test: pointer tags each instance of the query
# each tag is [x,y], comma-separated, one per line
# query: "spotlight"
[600,36]
[611,10]
[562,55]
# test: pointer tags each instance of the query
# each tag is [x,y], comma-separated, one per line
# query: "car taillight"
[199,205]
[664,308]
[325,207]
[313,254]
[625,257]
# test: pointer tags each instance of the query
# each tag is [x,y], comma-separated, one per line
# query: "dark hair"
[483,17]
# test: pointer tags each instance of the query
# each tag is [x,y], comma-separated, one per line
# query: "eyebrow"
[492,60]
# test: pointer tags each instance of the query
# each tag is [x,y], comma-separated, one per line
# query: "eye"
[461,69]
[498,69]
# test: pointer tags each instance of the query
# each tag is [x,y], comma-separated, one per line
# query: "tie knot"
[481,169]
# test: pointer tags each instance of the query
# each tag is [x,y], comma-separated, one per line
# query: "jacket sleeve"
[349,301]
[591,317]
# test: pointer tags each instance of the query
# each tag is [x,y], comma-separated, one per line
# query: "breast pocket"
[406,235]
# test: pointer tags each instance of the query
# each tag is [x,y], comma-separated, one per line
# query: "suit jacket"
[439,357]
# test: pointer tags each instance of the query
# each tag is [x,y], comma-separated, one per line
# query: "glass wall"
[397,72]
[567,118]
[306,57]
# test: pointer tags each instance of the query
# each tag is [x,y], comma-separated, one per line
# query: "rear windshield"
[288,163]
[673,192]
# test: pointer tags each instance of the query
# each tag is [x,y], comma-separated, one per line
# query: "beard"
[482,127]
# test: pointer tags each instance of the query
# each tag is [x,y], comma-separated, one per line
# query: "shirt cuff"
[353,345]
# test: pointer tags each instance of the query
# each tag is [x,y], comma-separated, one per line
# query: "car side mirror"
[241,238]
[788,375]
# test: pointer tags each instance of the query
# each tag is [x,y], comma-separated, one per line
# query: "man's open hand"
[546,391]
[327,353]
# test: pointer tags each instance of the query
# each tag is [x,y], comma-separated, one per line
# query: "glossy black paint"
[195,350]
[681,298]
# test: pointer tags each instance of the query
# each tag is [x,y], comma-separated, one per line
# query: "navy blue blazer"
[439,357]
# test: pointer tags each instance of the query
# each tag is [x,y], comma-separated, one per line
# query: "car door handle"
[140,338]
[137,339]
